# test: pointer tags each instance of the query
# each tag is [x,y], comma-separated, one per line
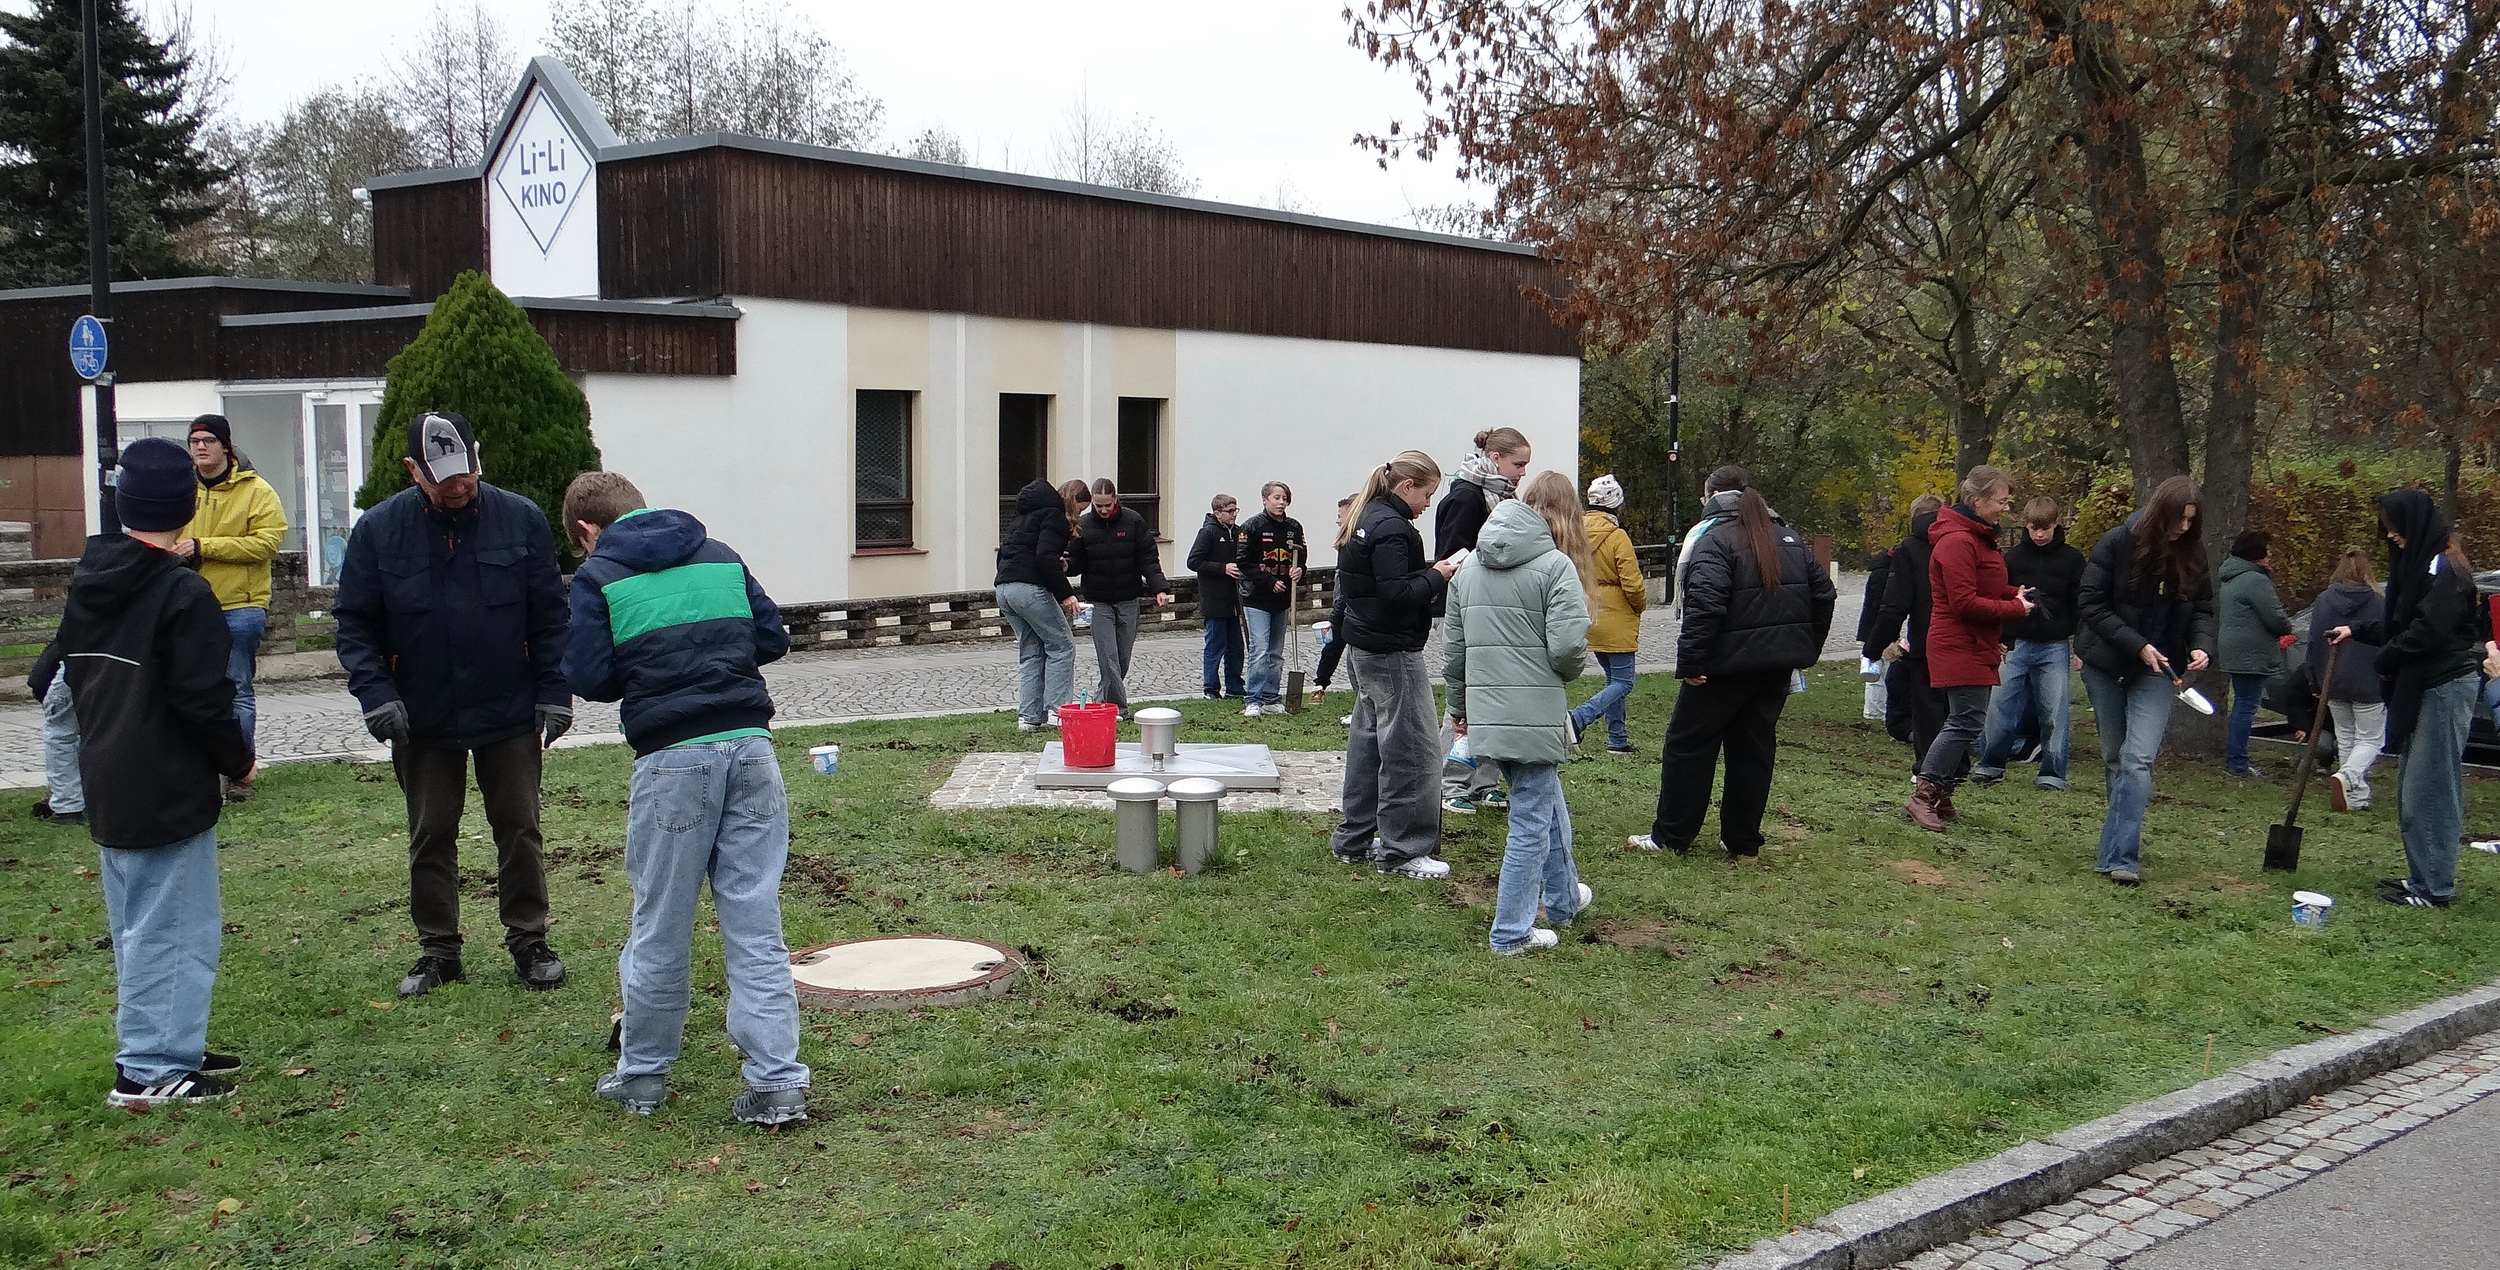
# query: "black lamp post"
[99,264]
[1675,431]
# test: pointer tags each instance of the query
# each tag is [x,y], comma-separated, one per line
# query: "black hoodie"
[2055,575]
[2433,631]
[1906,594]
[1219,596]
[144,644]
[1033,546]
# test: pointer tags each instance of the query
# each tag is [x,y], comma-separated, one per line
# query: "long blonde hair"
[1412,465]
[1558,501]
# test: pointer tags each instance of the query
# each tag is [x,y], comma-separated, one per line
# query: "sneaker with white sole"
[1422,868]
[1537,938]
[770,1107]
[1495,799]
[640,1095]
[1253,710]
[1461,806]
[188,1087]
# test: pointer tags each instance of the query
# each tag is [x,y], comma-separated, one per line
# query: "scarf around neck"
[1478,469]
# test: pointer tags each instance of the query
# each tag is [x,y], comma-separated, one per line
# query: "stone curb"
[1900,1224]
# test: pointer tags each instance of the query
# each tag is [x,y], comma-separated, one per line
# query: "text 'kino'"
[544,194]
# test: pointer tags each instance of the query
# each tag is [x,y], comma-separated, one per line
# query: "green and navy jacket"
[670,623]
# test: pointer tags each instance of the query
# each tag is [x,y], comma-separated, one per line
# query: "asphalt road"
[2429,1200]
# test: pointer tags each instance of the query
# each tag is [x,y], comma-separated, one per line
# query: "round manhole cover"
[899,972]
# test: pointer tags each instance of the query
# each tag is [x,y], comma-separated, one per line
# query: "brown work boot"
[1922,807]
[1944,803]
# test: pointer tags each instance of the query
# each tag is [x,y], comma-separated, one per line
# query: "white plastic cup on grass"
[2312,909]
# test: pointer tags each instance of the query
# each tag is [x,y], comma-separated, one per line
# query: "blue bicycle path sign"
[88,347]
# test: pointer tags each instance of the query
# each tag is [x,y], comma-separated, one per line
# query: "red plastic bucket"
[1089,736]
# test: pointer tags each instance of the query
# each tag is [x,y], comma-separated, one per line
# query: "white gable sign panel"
[543,206]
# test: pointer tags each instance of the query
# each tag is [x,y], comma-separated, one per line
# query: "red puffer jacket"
[1974,601]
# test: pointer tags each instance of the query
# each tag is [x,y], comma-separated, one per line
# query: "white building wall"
[762,458]
[166,399]
[1320,414]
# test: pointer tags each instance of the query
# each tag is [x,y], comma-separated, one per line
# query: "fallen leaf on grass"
[504,1035]
[859,1040]
[296,1071]
[754,1187]
[1857,1175]
[1588,1023]
[42,983]
[1332,1029]
[361,1240]
[379,1005]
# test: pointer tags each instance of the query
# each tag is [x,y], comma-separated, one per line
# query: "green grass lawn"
[1282,1062]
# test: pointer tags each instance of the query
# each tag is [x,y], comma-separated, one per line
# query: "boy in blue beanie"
[143,645]
[670,623]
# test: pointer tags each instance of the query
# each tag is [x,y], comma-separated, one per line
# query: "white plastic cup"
[1323,631]
[826,759]
[2311,909]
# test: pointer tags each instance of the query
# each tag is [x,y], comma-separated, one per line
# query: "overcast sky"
[1257,94]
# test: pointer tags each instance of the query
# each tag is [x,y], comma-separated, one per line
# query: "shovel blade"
[1293,692]
[2282,848]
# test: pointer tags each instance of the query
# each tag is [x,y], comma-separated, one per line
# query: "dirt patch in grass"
[1919,872]
[1636,935]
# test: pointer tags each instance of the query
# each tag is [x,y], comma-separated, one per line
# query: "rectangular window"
[882,436]
[1141,459]
[1023,448]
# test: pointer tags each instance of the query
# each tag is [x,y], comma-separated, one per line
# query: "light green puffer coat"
[1517,632]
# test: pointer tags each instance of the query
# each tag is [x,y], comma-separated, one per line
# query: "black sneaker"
[2402,895]
[189,1087]
[43,811]
[212,1063]
[429,973]
[538,965]
[1211,694]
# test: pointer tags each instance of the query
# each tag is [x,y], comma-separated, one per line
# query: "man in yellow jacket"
[236,531]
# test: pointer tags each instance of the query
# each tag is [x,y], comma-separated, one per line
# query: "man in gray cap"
[451,623]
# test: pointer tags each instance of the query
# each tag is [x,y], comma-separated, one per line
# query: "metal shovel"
[2283,840]
[1293,646]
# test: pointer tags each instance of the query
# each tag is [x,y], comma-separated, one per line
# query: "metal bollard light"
[1138,822]
[1194,803]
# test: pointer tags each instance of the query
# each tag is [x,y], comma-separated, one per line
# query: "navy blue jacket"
[672,624]
[459,615]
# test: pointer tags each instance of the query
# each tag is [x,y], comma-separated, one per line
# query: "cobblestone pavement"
[2133,1212]
[317,719]
[1312,780]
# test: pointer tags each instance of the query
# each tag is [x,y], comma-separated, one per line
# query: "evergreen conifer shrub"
[479,355]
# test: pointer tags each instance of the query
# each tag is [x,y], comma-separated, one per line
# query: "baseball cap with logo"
[443,445]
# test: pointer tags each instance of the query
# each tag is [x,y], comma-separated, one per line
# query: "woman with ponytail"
[1392,813]
[1757,609]
[2430,644]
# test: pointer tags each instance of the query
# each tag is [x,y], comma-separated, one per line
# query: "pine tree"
[479,355]
[159,180]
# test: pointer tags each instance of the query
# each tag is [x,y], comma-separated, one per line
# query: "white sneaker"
[1587,897]
[1251,711]
[1422,868]
[1641,842]
[1345,720]
[1022,726]
[1537,938]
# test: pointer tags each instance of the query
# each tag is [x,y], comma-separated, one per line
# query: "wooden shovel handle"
[2309,751]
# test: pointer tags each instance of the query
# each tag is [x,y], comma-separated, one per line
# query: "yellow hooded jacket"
[239,526]
[1621,593]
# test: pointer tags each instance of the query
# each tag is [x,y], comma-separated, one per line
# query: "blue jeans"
[712,810]
[1220,663]
[1045,650]
[2247,693]
[1267,654]
[246,626]
[2430,787]
[2491,700]
[66,790]
[2132,713]
[1609,700]
[161,907]
[1536,861]
[2036,671]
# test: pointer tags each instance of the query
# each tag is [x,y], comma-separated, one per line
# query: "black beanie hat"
[156,489]
[216,426]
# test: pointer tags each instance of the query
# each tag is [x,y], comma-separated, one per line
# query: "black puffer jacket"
[1734,625]
[1031,551]
[1117,558]
[144,647]
[2055,574]
[461,615]
[1878,576]
[1386,581]
[1219,596]
[1907,594]
[2118,615]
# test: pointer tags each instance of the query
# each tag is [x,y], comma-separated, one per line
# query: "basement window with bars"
[882,492]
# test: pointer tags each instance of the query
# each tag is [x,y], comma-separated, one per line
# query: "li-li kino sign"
[542,170]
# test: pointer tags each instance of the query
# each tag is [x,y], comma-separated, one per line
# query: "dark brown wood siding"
[157,335]
[424,235]
[584,343]
[729,221]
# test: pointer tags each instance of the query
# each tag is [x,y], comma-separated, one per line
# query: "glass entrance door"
[337,426]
